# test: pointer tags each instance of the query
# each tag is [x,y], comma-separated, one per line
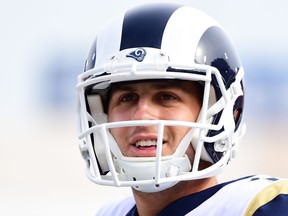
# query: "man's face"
[177,100]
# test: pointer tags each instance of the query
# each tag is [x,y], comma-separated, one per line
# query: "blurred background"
[42,48]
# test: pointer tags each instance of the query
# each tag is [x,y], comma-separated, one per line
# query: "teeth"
[143,143]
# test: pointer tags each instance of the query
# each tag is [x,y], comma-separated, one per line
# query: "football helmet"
[161,42]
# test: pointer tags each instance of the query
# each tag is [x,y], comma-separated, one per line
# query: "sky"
[42,49]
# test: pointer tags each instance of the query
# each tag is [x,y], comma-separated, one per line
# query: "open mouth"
[146,148]
[144,144]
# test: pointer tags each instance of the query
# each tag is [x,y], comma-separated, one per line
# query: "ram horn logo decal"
[138,54]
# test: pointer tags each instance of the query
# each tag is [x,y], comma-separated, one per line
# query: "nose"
[145,110]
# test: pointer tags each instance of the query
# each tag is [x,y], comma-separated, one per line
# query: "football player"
[161,105]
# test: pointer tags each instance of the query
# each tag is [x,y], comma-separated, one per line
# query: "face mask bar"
[144,71]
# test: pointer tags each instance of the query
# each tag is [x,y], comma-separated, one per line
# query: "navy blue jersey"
[249,196]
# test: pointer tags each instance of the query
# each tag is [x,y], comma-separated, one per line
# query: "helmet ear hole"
[237,115]
[238,111]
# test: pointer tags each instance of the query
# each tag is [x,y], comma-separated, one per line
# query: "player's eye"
[167,97]
[128,97]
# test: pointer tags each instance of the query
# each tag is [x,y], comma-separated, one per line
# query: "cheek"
[191,113]
[111,116]
[115,133]
[118,135]
[116,115]
[184,115]
[176,134]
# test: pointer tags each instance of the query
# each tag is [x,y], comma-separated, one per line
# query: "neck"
[150,204]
